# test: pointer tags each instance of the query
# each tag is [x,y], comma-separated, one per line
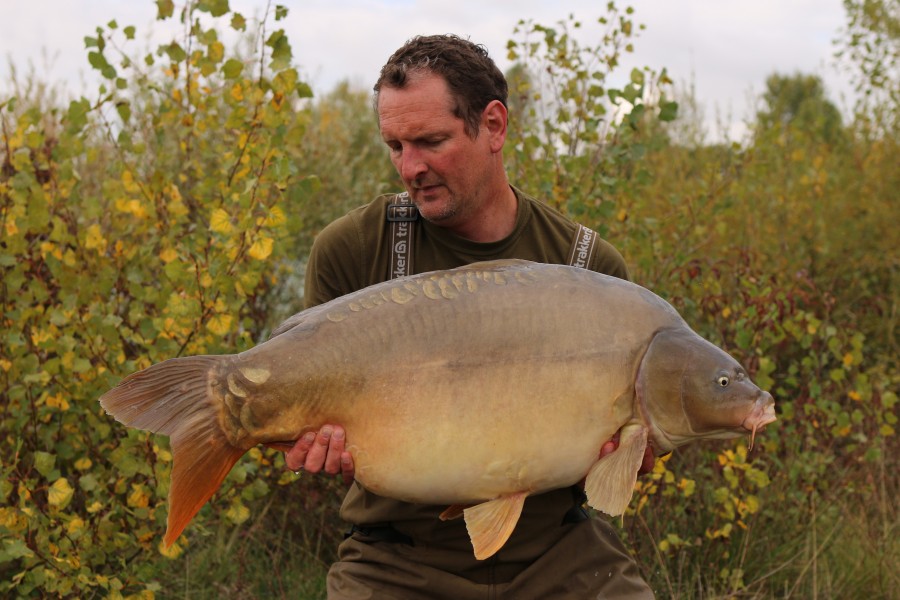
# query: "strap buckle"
[402,213]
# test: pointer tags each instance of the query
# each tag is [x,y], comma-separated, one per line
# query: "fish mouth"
[763,414]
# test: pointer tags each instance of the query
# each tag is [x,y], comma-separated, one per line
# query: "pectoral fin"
[610,482]
[491,523]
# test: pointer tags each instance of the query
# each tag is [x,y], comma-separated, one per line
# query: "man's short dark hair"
[473,78]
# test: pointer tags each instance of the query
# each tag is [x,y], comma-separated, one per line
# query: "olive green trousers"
[586,561]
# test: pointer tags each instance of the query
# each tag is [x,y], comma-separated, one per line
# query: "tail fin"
[173,398]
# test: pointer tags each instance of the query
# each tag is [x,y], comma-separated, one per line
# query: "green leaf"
[14,549]
[164,9]
[175,52]
[124,110]
[216,8]
[281,12]
[76,116]
[238,22]
[129,32]
[668,111]
[232,68]
[97,60]
[281,50]
[637,76]
[44,462]
[304,90]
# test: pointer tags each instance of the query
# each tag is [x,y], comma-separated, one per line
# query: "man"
[441,104]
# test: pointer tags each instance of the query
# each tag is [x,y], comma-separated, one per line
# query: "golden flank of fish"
[451,386]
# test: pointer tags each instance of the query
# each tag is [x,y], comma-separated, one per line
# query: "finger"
[608,448]
[296,456]
[315,458]
[335,450]
[649,461]
[347,468]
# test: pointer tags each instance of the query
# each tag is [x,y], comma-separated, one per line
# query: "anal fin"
[610,482]
[491,523]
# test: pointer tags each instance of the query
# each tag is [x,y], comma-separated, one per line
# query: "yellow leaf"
[9,519]
[162,454]
[58,401]
[168,255]
[83,463]
[75,525]
[95,239]
[220,324]
[129,184]
[261,248]
[220,222]
[237,92]
[848,359]
[138,498]
[69,258]
[238,513]
[276,217]
[11,228]
[173,551]
[687,486]
[60,493]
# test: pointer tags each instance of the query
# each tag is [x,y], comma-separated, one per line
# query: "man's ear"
[494,120]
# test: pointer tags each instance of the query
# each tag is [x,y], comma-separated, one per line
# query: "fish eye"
[723,380]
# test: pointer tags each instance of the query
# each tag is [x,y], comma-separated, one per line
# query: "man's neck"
[494,222]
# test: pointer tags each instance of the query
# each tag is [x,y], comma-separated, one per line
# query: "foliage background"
[170,214]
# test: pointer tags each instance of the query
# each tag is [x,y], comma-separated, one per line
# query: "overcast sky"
[727,48]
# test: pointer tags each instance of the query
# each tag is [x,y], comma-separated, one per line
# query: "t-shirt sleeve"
[335,258]
[608,260]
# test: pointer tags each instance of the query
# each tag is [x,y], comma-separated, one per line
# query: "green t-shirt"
[354,252]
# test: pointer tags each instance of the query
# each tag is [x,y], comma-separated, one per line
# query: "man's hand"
[649,459]
[322,452]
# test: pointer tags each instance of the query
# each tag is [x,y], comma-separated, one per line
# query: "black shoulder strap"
[402,215]
[583,246]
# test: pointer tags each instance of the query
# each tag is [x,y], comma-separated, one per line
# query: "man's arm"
[327,277]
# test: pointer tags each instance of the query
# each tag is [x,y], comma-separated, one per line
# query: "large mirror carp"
[473,387]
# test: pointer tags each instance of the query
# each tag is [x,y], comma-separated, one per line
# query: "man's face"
[444,169]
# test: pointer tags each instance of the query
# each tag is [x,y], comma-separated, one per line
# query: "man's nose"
[411,165]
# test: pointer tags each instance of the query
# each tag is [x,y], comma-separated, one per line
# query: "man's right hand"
[322,451]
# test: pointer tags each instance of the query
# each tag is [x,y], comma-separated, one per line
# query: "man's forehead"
[424,103]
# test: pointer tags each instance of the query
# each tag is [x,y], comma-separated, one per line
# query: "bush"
[138,226]
[171,215]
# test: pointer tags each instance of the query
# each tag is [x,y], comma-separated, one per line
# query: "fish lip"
[761,415]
